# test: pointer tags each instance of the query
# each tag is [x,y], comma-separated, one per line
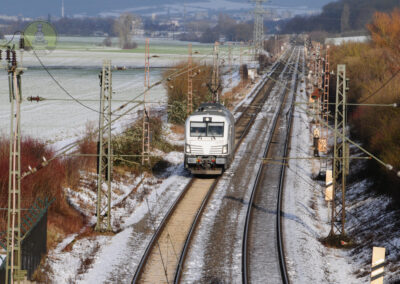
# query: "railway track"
[263,257]
[164,257]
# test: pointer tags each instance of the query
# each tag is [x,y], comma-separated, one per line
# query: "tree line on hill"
[226,27]
[340,17]
[120,27]
[374,72]
[202,31]
[70,26]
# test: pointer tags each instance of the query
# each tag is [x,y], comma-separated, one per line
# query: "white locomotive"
[209,139]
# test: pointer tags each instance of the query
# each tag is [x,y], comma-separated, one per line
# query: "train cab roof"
[212,109]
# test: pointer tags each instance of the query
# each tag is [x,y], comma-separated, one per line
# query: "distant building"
[137,26]
[341,40]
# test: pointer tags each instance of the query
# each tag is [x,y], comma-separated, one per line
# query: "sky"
[38,8]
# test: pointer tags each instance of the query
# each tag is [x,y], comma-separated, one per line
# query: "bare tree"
[124,27]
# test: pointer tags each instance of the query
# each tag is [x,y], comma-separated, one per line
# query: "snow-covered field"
[60,118]
[76,71]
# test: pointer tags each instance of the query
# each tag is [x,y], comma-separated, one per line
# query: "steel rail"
[185,249]
[163,223]
[282,262]
[157,233]
[260,171]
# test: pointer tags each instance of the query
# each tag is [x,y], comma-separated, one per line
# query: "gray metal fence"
[34,240]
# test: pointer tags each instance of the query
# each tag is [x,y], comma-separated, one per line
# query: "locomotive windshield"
[210,129]
[198,129]
[215,129]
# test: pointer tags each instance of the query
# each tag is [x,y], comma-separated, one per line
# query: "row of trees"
[177,89]
[373,69]
[122,27]
[125,25]
[340,17]
[70,26]
[226,27]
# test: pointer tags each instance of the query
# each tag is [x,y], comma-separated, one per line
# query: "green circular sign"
[40,36]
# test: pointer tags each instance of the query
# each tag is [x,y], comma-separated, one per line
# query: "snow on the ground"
[97,259]
[254,89]
[174,158]
[93,259]
[93,59]
[117,252]
[84,198]
[173,137]
[306,214]
[196,257]
[60,118]
[371,218]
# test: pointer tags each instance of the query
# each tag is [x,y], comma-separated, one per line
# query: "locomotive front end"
[208,144]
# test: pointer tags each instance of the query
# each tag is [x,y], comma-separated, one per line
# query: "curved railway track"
[257,236]
[164,257]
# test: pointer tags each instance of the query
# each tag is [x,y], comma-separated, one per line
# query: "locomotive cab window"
[203,129]
[215,129]
[198,129]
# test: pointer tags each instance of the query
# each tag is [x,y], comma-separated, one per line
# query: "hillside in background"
[94,7]
[341,17]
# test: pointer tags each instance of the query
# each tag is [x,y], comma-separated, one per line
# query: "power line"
[381,87]
[60,86]
[71,146]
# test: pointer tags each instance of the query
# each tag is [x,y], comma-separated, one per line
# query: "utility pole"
[325,105]
[146,118]
[215,74]
[13,259]
[189,108]
[340,156]
[319,64]
[258,32]
[320,86]
[104,164]
[230,64]
[240,64]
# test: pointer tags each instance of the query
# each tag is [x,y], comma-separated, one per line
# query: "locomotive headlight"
[225,149]
[188,150]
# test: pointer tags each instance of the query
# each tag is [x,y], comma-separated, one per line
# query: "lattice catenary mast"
[340,157]
[104,148]
[215,74]
[189,108]
[146,112]
[258,32]
[13,259]
[240,64]
[325,103]
[230,64]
